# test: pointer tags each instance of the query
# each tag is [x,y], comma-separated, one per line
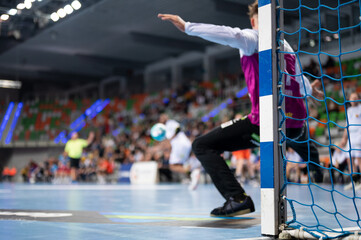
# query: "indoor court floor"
[164,211]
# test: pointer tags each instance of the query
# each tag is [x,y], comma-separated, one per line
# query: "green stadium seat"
[333,116]
[319,131]
[341,116]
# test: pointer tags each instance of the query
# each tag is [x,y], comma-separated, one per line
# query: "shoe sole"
[242,212]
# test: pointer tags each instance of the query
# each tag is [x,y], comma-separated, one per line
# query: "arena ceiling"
[105,37]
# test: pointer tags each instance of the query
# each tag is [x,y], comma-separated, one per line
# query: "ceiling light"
[61,13]
[10,84]
[76,5]
[12,12]
[68,9]
[54,16]
[4,17]
[20,6]
[28,4]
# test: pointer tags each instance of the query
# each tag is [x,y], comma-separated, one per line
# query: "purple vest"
[295,108]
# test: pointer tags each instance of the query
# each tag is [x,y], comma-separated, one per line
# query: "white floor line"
[190,227]
[94,187]
[256,238]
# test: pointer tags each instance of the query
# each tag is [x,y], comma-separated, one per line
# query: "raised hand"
[91,137]
[316,85]
[175,19]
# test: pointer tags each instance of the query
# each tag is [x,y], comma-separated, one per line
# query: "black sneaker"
[233,208]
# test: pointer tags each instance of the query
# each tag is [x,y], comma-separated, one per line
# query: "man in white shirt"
[181,146]
[352,136]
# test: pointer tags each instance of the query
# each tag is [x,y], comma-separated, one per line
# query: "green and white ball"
[158,132]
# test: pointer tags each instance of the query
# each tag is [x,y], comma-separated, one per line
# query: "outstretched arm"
[245,40]
[176,20]
[90,137]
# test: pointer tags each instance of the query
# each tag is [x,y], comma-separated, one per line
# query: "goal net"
[317,195]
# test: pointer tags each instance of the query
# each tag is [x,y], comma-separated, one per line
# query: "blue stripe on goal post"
[270,183]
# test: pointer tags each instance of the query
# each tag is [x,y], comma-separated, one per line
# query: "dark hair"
[253,9]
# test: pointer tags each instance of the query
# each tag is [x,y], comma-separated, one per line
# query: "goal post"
[328,35]
[273,207]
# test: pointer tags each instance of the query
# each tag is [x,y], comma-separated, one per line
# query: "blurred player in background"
[178,142]
[74,149]
[340,162]
[353,132]
[238,133]
[180,147]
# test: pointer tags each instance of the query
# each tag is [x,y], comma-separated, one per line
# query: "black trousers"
[75,163]
[232,136]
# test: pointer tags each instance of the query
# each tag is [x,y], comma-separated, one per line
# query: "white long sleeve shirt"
[245,40]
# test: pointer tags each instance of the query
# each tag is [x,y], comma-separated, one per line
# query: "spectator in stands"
[112,170]
[39,173]
[120,153]
[103,164]
[87,169]
[12,173]
[62,175]
[48,176]
[138,155]
[74,149]
[33,169]
[352,136]
[5,174]
[53,166]
[25,171]
[109,146]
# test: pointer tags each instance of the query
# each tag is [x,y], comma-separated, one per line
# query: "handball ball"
[158,132]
